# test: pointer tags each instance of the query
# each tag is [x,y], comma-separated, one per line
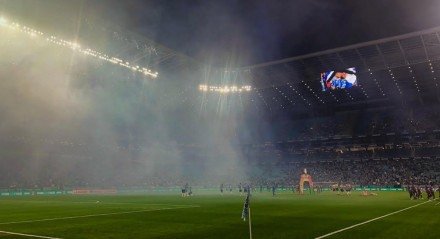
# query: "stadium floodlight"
[75,46]
[203,87]
[225,89]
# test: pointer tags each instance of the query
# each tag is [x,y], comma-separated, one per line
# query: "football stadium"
[219,119]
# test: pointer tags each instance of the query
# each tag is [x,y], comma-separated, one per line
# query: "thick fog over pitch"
[70,119]
[67,117]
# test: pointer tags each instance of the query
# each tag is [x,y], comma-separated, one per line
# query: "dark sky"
[247,32]
[241,32]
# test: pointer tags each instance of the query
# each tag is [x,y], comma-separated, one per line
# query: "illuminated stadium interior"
[152,119]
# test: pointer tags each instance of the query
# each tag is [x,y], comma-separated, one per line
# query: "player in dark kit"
[183,191]
[410,191]
[414,192]
[428,194]
[431,193]
[419,193]
[187,189]
[431,190]
[221,188]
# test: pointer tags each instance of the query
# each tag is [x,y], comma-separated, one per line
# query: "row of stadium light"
[414,78]
[285,96]
[349,95]
[262,98]
[363,91]
[225,89]
[298,93]
[377,82]
[395,81]
[311,91]
[275,99]
[433,73]
[76,47]
[332,95]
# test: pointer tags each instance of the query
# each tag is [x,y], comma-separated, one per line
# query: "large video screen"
[339,79]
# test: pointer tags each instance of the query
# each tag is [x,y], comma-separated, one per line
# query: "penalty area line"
[371,220]
[27,235]
[95,215]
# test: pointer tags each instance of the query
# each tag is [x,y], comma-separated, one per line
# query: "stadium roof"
[65,19]
[396,70]
[401,69]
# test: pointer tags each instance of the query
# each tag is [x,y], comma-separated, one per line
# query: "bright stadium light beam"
[225,89]
[77,47]
[3,20]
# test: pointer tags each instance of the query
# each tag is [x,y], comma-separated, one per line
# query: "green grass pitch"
[211,215]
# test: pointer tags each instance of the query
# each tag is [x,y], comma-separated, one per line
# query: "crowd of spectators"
[355,123]
[367,172]
[384,149]
[394,172]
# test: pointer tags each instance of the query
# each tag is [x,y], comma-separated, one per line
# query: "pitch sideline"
[27,235]
[371,220]
[110,203]
[95,215]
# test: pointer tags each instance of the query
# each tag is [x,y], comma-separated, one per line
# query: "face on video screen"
[341,79]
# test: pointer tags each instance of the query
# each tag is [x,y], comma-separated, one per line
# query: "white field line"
[27,235]
[112,203]
[95,215]
[371,220]
[139,204]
